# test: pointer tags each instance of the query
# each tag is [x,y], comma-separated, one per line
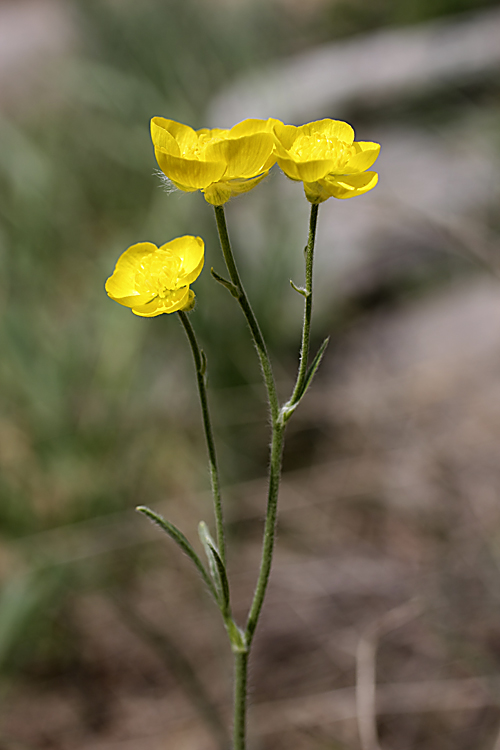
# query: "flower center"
[320,146]
[158,274]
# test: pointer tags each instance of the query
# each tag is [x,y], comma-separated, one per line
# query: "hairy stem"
[240,699]
[308,294]
[257,336]
[200,364]
[269,529]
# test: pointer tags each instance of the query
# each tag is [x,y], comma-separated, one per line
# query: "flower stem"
[278,428]
[200,364]
[240,699]
[277,441]
[257,336]
[308,294]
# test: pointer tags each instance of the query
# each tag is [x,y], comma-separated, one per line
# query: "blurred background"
[392,472]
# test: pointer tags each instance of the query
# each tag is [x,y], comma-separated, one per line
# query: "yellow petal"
[208,133]
[285,135]
[185,188]
[336,129]
[122,286]
[244,157]
[314,169]
[162,139]
[243,186]
[366,154]
[190,251]
[330,128]
[348,186]
[289,167]
[192,173]
[174,301]
[183,135]
[221,192]
[251,127]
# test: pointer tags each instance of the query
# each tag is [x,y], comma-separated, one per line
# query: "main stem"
[199,362]
[278,436]
[279,417]
[240,699]
[277,425]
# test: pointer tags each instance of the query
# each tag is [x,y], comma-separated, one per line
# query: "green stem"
[200,365]
[269,529]
[257,336]
[278,420]
[306,328]
[240,699]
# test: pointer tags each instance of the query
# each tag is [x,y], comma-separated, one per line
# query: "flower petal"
[174,301]
[122,286]
[162,139]
[208,133]
[285,135]
[330,128]
[366,154]
[183,135]
[314,169]
[190,250]
[252,126]
[348,186]
[243,186]
[244,157]
[289,167]
[192,173]
[221,192]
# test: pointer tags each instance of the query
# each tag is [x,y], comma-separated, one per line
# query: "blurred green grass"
[97,409]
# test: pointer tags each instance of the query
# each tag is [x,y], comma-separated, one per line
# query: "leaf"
[228,284]
[299,289]
[217,568]
[313,367]
[288,409]
[181,541]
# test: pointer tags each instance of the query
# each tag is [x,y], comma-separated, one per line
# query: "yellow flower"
[154,280]
[324,156]
[220,163]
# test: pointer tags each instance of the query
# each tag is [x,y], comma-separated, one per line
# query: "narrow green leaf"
[288,409]
[314,366]
[207,541]
[217,568]
[182,542]
[298,289]
[225,282]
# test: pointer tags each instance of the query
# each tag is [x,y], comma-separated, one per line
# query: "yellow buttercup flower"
[324,156]
[154,280]
[220,163]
